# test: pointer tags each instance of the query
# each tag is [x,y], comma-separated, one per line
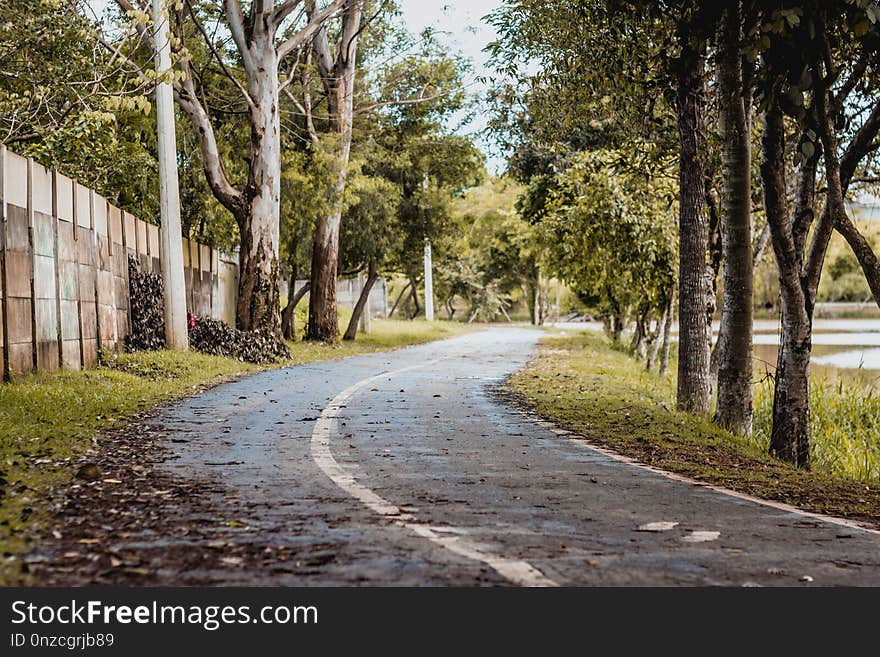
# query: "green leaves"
[608,230]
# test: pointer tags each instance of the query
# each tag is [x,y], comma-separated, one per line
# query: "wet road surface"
[404,468]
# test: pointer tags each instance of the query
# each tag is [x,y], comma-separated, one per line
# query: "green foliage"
[493,263]
[371,230]
[66,103]
[609,232]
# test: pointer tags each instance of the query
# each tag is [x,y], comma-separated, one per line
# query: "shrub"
[213,336]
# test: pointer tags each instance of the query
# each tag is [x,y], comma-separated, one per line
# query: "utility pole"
[176,337]
[429,283]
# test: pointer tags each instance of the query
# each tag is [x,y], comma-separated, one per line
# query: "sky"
[467,34]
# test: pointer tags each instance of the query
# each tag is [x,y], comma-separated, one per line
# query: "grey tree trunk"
[667,333]
[338,76]
[657,340]
[734,406]
[288,315]
[790,435]
[362,302]
[694,330]
[258,301]
[414,295]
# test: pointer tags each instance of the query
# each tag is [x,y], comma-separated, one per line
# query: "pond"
[841,347]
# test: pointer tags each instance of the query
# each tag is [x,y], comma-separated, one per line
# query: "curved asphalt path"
[402,468]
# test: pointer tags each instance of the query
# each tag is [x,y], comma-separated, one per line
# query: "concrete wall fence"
[64,253]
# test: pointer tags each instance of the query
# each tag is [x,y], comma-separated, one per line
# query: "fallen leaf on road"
[701,537]
[661,526]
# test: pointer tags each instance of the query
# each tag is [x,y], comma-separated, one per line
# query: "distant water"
[838,344]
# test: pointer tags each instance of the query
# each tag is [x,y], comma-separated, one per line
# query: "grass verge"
[49,421]
[582,384]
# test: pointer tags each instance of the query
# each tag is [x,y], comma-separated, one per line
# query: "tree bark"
[338,79]
[531,293]
[667,333]
[399,299]
[288,315]
[657,340]
[258,301]
[363,299]
[790,435]
[734,405]
[694,330]
[414,295]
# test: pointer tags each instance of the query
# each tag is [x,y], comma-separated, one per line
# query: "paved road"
[404,468]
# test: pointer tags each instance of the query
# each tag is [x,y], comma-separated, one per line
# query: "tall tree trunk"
[734,407]
[362,302]
[338,77]
[790,436]
[531,293]
[414,295]
[640,335]
[694,329]
[450,308]
[658,338]
[258,301]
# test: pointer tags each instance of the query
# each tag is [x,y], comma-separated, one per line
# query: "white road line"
[517,571]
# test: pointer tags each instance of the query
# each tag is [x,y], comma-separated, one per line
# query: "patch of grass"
[845,426]
[49,421]
[582,384]
[386,334]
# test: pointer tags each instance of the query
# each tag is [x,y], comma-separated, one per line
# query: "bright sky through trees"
[463,28]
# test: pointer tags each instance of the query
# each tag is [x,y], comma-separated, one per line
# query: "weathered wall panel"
[64,288]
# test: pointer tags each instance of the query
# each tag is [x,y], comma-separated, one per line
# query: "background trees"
[578,78]
[67,102]
[607,230]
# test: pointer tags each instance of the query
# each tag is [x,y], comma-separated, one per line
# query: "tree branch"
[235,18]
[209,42]
[311,29]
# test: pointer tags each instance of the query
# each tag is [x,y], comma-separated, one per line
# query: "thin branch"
[306,33]
[235,18]
[210,44]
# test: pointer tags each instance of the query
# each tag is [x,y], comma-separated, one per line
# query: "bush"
[213,336]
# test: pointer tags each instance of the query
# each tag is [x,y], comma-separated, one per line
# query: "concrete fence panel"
[64,287]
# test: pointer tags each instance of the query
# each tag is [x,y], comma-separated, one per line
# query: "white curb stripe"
[579,439]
